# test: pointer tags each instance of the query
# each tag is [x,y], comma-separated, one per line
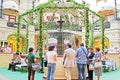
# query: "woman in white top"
[51,57]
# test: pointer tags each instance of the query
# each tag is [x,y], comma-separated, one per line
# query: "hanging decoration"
[55,5]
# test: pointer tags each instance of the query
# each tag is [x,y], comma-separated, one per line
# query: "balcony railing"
[11,24]
[14,25]
[107,25]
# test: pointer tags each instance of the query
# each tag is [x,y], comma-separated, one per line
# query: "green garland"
[49,5]
[102,34]
[18,33]
[86,27]
[40,33]
[92,36]
[27,40]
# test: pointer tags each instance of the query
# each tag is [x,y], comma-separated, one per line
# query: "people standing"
[97,58]
[69,60]
[51,57]
[31,59]
[90,57]
[81,54]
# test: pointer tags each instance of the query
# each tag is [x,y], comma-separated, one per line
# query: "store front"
[97,42]
[13,43]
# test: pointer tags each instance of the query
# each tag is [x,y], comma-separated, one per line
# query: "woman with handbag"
[97,62]
[90,57]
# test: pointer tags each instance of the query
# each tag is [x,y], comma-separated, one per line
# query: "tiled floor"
[17,75]
[3,78]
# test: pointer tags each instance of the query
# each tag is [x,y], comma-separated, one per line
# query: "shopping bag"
[98,64]
[91,66]
[36,66]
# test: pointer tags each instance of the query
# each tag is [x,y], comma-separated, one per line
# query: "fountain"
[60,35]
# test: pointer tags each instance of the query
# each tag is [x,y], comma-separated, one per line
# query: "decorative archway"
[81,12]
[97,42]
[12,42]
[78,40]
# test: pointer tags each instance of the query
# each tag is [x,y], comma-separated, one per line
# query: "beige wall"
[116,58]
[6,31]
[5,59]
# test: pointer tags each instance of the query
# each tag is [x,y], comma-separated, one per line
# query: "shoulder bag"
[86,55]
[98,64]
[91,66]
[36,66]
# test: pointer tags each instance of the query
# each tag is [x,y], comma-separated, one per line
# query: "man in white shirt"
[69,60]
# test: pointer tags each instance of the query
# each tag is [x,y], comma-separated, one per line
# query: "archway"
[78,40]
[80,19]
[12,42]
[97,42]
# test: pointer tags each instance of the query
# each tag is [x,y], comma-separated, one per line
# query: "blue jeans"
[103,62]
[51,70]
[81,71]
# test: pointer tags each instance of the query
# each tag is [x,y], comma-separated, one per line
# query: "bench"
[22,65]
[110,65]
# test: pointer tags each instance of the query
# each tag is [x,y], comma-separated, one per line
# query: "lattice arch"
[77,16]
